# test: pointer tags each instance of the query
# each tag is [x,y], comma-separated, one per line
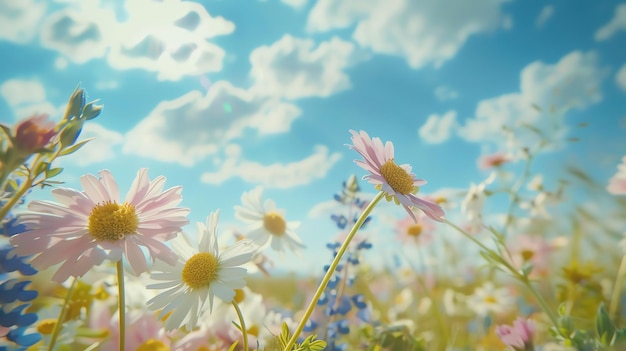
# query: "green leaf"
[317,345]
[41,168]
[283,338]
[74,148]
[605,328]
[236,325]
[53,172]
[233,346]
[70,133]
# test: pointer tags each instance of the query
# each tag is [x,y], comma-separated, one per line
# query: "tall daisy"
[83,228]
[396,181]
[268,226]
[200,273]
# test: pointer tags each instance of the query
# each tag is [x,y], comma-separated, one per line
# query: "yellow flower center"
[239,296]
[527,254]
[490,299]
[414,230]
[110,221]
[46,326]
[200,270]
[399,180]
[153,345]
[274,223]
[253,330]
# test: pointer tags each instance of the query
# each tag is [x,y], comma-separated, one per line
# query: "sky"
[222,96]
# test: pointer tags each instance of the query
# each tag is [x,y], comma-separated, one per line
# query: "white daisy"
[268,226]
[199,273]
[489,299]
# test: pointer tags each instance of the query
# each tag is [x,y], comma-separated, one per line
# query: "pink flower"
[617,183]
[34,133]
[493,160]
[518,336]
[396,181]
[418,232]
[143,332]
[534,250]
[86,227]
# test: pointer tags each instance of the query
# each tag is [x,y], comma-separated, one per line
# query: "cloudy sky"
[221,96]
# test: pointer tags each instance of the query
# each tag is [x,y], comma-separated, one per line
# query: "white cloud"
[295,3]
[81,34]
[19,19]
[100,149]
[18,91]
[617,23]
[424,32]
[293,68]
[190,128]
[107,85]
[27,97]
[445,93]
[573,82]
[275,175]
[173,40]
[545,14]
[620,77]
[438,129]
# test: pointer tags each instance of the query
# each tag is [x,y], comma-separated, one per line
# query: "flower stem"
[242,324]
[331,270]
[26,185]
[516,274]
[617,288]
[121,304]
[57,326]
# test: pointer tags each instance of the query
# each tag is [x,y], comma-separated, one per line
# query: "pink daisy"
[418,232]
[86,227]
[396,181]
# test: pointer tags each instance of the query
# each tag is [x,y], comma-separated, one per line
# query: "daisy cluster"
[100,270]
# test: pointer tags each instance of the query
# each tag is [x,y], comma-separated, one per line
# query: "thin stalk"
[617,288]
[331,270]
[121,304]
[57,326]
[242,324]
[516,274]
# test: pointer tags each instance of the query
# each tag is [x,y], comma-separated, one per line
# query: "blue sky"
[222,96]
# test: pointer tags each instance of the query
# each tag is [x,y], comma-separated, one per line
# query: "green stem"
[513,271]
[331,270]
[242,324]
[121,303]
[617,289]
[57,326]
[28,182]
[541,301]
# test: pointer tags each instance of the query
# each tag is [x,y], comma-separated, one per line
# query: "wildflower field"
[103,268]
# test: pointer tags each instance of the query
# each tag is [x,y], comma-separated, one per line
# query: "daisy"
[268,226]
[86,227]
[418,232]
[396,181]
[199,273]
[487,298]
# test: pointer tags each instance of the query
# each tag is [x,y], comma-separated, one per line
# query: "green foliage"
[309,344]
[394,338]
